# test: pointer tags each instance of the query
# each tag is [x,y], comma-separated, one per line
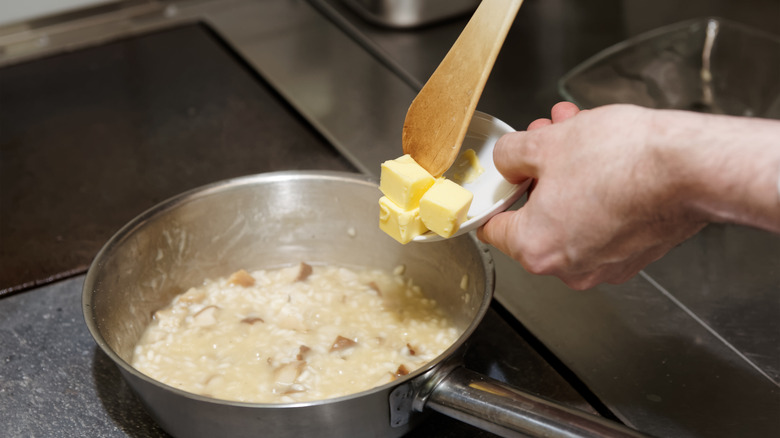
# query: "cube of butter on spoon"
[444,207]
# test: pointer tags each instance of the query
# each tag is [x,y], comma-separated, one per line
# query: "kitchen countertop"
[103,133]
[688,348]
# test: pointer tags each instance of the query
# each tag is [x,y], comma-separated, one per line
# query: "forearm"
[726,168]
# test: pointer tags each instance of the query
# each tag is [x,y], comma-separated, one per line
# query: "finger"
[499,230]
[514,158]
[562,111]
[539,123]
[531,188]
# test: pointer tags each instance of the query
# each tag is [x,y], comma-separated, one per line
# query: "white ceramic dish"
[492,193]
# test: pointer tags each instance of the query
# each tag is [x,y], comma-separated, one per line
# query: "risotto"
[293,334]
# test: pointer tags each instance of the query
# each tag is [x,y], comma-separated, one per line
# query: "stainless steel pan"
[283,218]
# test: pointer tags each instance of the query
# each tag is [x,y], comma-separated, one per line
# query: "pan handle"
[506,411]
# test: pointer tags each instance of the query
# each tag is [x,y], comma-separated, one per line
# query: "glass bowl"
[706,65]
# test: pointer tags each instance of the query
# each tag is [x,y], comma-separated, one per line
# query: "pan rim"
[90,282]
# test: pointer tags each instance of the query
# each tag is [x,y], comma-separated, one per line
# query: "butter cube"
[444,207]
[404,181]
[402,225]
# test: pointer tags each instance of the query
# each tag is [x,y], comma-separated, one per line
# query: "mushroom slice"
[401,371]
[375,287]
[385,378]
[205,316]
[242,278]
[294,388]
[210,378]
[192,296]
[162,313]
[304,272]
[342,343]
[287,374]
[302,352]
[251,320]
[291,322]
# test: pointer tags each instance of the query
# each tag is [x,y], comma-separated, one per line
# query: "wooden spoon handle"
[439,116]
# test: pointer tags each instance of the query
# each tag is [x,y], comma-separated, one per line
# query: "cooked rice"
[293,334]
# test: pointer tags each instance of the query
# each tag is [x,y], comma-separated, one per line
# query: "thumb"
[514,156]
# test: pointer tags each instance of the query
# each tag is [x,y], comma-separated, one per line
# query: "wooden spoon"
[439,116]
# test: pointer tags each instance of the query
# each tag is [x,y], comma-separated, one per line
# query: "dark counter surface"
[688,348]
[92,138]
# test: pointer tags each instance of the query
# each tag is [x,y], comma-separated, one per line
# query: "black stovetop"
[94,137]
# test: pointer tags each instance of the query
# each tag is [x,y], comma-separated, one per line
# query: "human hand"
[602,206]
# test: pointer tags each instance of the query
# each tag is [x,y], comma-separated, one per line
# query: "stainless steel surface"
[730,287]
[655,363]
[260,222]
[410,13]
[688,349]
[507,411]
[346,93]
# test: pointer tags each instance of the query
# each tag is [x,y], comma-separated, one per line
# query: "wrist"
[677,158]
[722,168]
